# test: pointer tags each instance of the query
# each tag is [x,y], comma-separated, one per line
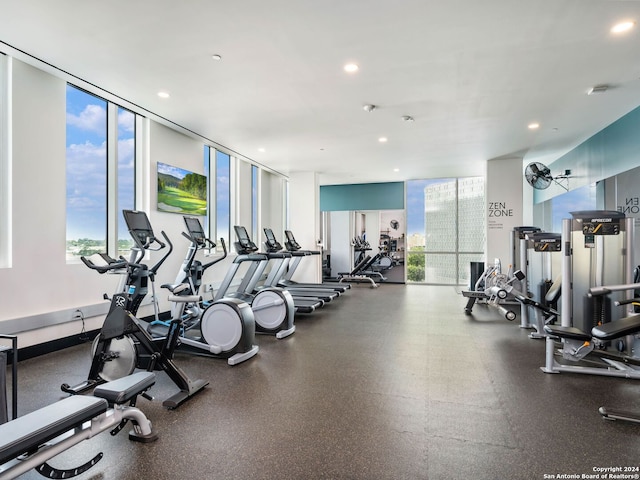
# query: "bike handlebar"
[111,265]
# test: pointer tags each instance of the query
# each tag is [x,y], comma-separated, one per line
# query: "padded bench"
[577,344]
[619,328]
[29,433]
[607,331]
[571,333]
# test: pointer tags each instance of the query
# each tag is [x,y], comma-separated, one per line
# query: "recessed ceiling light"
[163,94]
[216,56]
[396,169]
[351,67]
[622,27]
[533,126]
[382,139]
[262,149]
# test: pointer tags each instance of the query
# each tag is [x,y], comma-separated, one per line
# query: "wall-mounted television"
[181,191]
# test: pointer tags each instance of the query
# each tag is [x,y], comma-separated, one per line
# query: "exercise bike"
[223,328]
[123,343]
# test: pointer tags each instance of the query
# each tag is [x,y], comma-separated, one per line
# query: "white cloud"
[126,120]
[93,118]
[126,150]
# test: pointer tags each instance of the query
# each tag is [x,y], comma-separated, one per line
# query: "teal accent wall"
[362,196]
[613,150]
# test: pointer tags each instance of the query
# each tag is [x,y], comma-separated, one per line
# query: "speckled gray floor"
[391,383]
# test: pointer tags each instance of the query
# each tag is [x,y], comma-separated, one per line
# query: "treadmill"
[298,254]
[279,273]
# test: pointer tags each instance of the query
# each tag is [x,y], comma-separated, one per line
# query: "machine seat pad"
[572,333]
[554,292]
[28,432]
[618,328]
[124,389]
[170,286]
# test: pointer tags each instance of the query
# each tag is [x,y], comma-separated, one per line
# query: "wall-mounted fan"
[539,176]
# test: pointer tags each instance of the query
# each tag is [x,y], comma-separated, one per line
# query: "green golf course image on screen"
[181,191]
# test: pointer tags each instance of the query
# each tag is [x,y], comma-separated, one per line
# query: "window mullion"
[213,195]
[112,179]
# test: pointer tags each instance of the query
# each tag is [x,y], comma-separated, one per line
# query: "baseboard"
[71,341]
[55,345]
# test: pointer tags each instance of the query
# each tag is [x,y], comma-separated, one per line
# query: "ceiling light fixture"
[262,150]
[383,139]
[351,68]
[163,94]
[396,169]
[407,118]
[623,27]
[369,108]
[598,89]
[216,56]
[533,126]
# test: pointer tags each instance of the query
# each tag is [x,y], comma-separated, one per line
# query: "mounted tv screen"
[181,191]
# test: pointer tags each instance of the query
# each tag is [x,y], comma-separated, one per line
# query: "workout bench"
[356,274]
[577,344]
[29,441]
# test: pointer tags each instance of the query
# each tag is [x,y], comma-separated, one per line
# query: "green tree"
[195,185]
[415,265]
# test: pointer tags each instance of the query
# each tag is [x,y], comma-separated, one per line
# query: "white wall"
[503,206]
[271,205]
[342,228]
[172,148]
[304,217]
[243,198]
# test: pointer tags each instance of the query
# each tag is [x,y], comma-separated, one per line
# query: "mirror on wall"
[351,236]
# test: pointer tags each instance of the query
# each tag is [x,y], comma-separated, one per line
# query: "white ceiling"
[473,74]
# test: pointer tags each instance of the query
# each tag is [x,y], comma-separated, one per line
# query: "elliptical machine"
[224,328]
[273,308]
[123,343]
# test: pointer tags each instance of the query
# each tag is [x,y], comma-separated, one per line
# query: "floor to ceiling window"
[100,174]
[217,166]
[445,229]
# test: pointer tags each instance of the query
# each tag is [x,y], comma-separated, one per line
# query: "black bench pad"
[572,333]
[124,389]
[33,429]
[618,328]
